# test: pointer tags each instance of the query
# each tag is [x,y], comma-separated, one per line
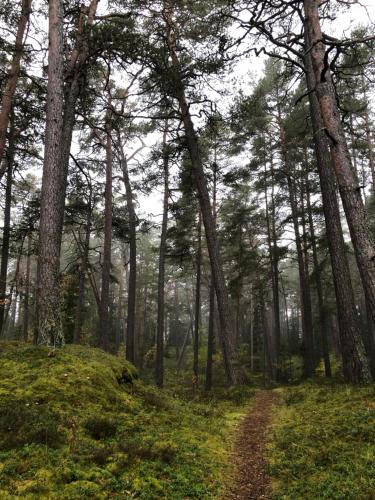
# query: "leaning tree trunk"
[48,325]
[104,316]
[226,322]
[354,360]
[6,231]
[11,84]
[159,361]
[346,178]
[132,281]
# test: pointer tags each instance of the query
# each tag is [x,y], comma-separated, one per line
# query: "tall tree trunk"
[274,268]
[83,271]
[104,317]
[346,177]
[11,83]
[212,303]
[159,365]
[9,158]
[26,311]
[319,288]
[205,206]
[306,313]
[48,323]
[197,301]
[132,282]
[370,146]
[354,362]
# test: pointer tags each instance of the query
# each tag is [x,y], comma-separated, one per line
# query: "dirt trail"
[251,480]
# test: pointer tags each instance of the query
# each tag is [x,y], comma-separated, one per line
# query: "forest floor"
[83,425]
[251,480]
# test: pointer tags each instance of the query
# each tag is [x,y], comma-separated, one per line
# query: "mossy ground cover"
[323,442]
[80,425]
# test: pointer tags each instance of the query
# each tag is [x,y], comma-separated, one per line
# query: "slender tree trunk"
[104,317]
[212,303]
[370,146]
[132,282]
[83,271]
[9,158]
[205,206]
[347,181]
[272,251]
[354,362]
[319,288]
[11,83]
[275,267]
[159,365]
[252,320]
[48,323]
[306,313]
[197,301]
[26,311]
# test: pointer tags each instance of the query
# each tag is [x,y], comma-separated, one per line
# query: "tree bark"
[346,178]
[48,324]
[354,363]
[159,361]
[11,84]
[226,322]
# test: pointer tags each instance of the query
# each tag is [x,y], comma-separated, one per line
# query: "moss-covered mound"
[80,425]
[323,442]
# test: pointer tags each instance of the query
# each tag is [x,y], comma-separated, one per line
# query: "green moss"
[323,442]
[80,425]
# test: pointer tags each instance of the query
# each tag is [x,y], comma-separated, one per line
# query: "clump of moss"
[81,425]
[323,442]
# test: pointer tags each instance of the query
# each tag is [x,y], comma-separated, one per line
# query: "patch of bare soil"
[250,479]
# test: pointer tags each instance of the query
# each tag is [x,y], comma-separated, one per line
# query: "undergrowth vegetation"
[323,442]
[80,425]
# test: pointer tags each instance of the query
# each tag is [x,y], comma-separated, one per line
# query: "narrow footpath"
[250,476]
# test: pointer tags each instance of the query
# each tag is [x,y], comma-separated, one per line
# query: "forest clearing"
[187,239]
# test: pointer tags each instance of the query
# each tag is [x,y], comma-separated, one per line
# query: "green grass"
[81,425]
[323,442]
